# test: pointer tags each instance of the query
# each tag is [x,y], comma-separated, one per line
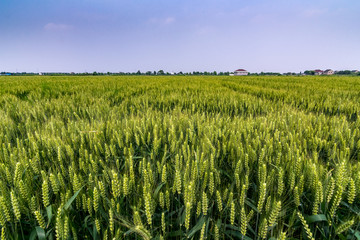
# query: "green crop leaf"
[40,233]
[156,192]
[49,214]
[250,204]
[33,234]
[68,203]
[197,227]
[316,218]
[236,234]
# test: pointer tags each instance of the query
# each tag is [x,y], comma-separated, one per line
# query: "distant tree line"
[162,72]
[267,73]
[342,72]
[347,72]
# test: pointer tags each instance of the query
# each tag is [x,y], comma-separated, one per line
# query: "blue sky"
[178,35]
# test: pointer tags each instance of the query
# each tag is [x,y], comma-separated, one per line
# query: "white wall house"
[241,72]
[328,72]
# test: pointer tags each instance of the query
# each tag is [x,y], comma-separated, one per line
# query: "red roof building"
[241,72]
[318,72]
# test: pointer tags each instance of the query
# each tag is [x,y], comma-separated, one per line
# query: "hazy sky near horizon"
[179,35]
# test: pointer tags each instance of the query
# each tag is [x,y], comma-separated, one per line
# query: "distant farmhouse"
[241,72]
[328,72]
[321,72]
[318,72]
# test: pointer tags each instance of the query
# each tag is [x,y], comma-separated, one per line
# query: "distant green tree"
[344,72]
[309,72]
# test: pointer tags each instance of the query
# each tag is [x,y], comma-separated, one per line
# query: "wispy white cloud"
[313,12]
[205,30]
[169,20]
[162,21]
[57,27]
[260,18]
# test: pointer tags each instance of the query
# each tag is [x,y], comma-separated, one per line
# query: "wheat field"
[179,157]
